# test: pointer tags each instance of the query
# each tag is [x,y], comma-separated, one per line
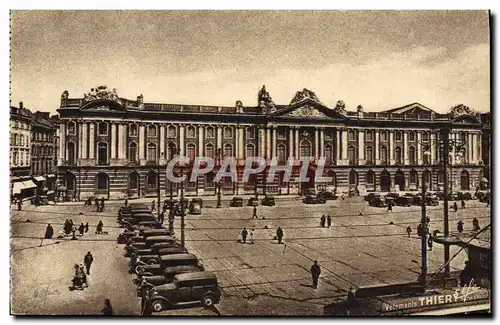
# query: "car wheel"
[158,305]
[139,269]
[208,301]
[152,261]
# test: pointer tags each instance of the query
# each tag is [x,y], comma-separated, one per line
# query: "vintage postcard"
[250,163]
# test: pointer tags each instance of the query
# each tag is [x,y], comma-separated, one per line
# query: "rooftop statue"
[461,109]
[265,100]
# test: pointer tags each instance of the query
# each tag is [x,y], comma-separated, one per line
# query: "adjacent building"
[116,147]
[43,151]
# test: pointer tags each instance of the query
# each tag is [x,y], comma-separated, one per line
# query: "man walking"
[408,231]
[279,234]
[254,214]
[81,229]
[328,221]
[251,237]
[49,232]
[153,206]
[475,225]
[99,227]
[315,272]
[244,234]
[460,226]
[96,201]
[455,206]
[102,204]
[462,203]
[87,260]
[430,242]
[322,221]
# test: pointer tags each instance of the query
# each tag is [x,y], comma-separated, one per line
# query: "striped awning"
[17,187]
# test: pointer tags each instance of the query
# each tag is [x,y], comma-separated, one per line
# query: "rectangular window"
[250,133]
[281,134]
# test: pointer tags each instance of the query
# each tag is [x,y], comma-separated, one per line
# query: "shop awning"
[51,176]
[19,186]
[39,178]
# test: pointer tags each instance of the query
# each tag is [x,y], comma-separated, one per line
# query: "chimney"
[20,105]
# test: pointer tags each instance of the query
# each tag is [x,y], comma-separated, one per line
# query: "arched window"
[152,131]
[171,131]
[369,155]
[328,153]
[281,153]
[151,180]
[305,148]
[383,155]
[351,135]
[397,152]
[132,131]
[397,136]
[151,152]
[411,136]
[102,128]
[228,150]
[250,132]
[210,132]
[370,177]
[369,135]
[71,128]
[383,135]
[353,177]
[351,153]
[102,153]
[250,150]
[191,151]
[191,132]
[102,181]
[132,152]
[412,157]
[413,176]
[228,132]
[210,150]
[172,151]
[133,181]
[425,136]
[71,152]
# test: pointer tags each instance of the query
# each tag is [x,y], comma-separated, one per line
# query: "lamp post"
[161,163]
[218,184]
[181,166]
[423,231]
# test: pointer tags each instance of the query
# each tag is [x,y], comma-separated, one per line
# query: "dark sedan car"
[268,201]
[404,200]
[253,201]
[377,202]
[236,202]
[314,199]
[328,195]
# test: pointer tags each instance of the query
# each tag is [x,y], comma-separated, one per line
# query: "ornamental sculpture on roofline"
[460,110]
[265,101]
[305,94]
[340,108]
[101,92]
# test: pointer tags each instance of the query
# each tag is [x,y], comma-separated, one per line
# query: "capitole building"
[116,148]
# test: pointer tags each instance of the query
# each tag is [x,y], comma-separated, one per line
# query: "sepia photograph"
[218,163]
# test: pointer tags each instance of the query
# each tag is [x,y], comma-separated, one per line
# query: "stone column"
[406,157]
[181,140]
[84,140]
[345,157]
[479,144]
[241,146]
[338,154]
[92,143]
[200,141]
[419,148]
[470,148]
[361,147]
[275,142]
[162,141]
[297,144]
[434,148]
[453,136]
[80,135]
[62,144]
[121,141]
[142,150]
[377,147]
[268,143]
[290,143]
[113,141]
[322,142]
[392,158]
[316,144]
[219,138]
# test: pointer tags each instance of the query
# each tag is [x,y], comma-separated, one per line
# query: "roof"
[195,276]
[186,256]
[409,107]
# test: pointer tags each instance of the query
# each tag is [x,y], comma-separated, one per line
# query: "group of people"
[80,278]
[475,225]
[325,219]
[99,203]
[244,235]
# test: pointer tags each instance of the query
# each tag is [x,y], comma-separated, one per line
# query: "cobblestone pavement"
[261,278]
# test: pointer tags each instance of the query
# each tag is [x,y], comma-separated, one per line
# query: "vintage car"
[135,220]
[392,194]
[377,201]
[168,274]
[314,199]
[328,195]
[137,206]
[404,200]
[431,200]
[188,287]
[147,242]
[308,191]
[253,201]
[268,201]
[134,248]
[195,206]
[170,203]
[370,196]
[154,258]
[236,202]
[167,261]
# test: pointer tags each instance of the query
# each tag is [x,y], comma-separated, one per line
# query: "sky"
[379,60]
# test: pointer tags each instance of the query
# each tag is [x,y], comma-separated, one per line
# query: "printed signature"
[466,291]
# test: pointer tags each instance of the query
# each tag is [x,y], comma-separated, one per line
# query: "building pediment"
[308,108]
[410,109]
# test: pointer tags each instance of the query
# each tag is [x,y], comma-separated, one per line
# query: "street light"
[423,230]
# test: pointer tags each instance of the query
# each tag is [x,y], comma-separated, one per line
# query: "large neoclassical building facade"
[117,148]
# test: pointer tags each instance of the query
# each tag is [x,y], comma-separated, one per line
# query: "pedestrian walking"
[251,236]
[71,223]
[254,214]
[322,221]
[96,201]
[87,227]
[81,229]
[73,231]
[460,226]
[279,234]
[88,260]
[455,206]
[102,204]
[465,275]
[244,234]
[408,231]
[315,272]
[99,227]
[108,309]
[49,232]
[161,217]
[67,227]
[462,203]
[153,206]
[125,203]
[475,225]
[19,204]
[328,221]
[419,230]
[389,206]
[430,242]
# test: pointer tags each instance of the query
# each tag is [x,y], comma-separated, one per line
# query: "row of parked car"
[408,199]
[320,197]
[253,201]
[167,274]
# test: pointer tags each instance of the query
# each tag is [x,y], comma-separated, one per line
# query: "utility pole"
[446,153]
[423,237]
[182,208]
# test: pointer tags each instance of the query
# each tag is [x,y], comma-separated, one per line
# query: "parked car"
[236,202]
[268,201]
[328,195]
[253,202]
[404,200]
[393,195]
[154,257]
[195,206]
[167,261]
[431,200]
[168,275]
[189,287]
[377,201]
[371,196]
[309,191]
[170,203]
[314,199]
[134,248]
